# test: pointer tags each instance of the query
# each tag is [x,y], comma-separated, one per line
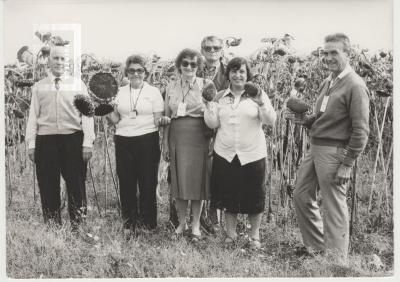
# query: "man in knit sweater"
[60,140]
[339,132]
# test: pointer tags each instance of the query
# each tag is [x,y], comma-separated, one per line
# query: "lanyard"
[184,95]
[332,83]
[130,97]
[330,86]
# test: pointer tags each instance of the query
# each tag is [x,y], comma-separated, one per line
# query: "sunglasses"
[132,71]
[210,48]
[186,64]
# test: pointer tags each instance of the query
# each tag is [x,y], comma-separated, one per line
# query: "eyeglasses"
[210,48]
[186,64]
[132,71]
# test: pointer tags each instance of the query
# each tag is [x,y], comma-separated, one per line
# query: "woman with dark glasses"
[138,109]
[185,143]
[238,170]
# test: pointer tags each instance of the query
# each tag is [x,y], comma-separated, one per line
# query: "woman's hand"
[31,154]
[114,116]
[258,100]
[254,92]
[164,120]
[165,152]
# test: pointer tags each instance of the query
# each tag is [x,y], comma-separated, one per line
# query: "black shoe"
[75,228]
[207,226]
[195,239]
[129,234]
[241,227]
[304,251]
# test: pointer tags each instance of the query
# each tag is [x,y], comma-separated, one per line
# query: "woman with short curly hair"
[138,109]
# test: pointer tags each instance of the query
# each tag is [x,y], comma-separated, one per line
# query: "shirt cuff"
[348,161]
[310,121]
[349,157]
[87,143]
[31,144]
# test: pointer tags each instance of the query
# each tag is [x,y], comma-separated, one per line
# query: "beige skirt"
[189,160]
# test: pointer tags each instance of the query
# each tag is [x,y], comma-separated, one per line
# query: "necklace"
[133,107]
[187,92]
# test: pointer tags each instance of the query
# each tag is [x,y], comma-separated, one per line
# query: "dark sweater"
[345,120]
[220,80]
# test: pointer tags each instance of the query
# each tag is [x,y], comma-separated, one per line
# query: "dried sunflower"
[84,104]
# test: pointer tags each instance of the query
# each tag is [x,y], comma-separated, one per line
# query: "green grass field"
[100,250]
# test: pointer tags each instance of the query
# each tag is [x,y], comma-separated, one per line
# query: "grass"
[35,250]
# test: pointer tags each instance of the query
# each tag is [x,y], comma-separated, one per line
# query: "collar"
[214,68]
[224,61]
[191,83]
[228,91]
[52,77]
[222,64]
[144,83]
[344,72]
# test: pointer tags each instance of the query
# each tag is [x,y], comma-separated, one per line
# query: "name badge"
[133,114]
[181,109]
[324,103]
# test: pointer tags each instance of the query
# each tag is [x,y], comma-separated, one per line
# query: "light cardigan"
[239,123]
[52,112]
[345,121]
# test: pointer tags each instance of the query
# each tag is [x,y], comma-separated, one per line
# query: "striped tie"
[57,82]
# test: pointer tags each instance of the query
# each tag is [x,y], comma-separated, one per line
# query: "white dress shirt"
[239,122]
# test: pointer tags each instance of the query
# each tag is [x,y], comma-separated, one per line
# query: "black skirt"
[236,188]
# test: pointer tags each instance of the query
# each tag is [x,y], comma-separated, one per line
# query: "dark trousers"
[55,154]
[137,161]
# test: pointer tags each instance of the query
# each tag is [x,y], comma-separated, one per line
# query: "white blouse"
[148,100]
[239,123]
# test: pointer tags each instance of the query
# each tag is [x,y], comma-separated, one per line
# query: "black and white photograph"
[198,139]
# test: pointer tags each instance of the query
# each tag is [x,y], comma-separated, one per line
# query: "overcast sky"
[116,29]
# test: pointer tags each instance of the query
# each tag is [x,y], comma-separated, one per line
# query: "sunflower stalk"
[105,167]
[269,181]
[9,182]
[385,176]
[380,132]
[353,198]
[94,189]
[104,121]
[34,183]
